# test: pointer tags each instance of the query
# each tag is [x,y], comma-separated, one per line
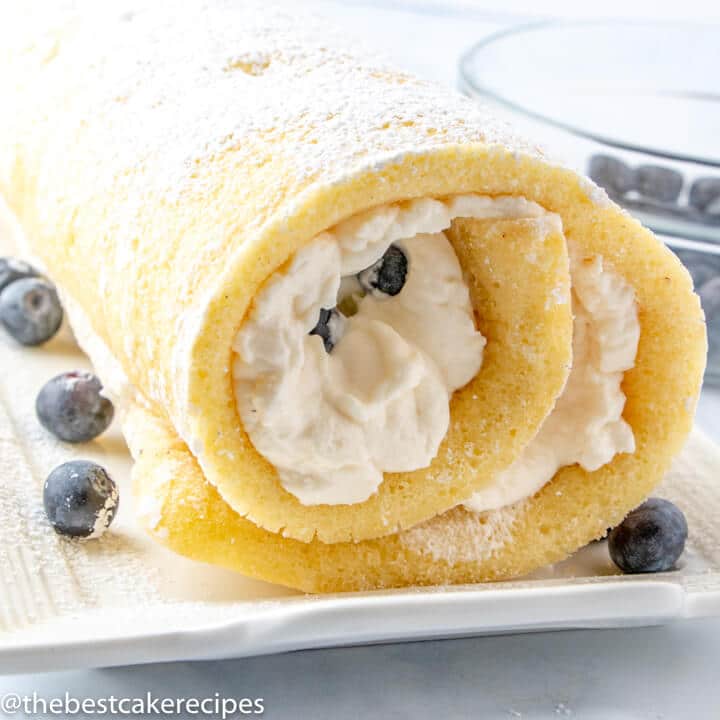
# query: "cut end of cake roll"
[406,403]
[573,507]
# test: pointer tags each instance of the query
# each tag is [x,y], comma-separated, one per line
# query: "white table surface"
[655,673]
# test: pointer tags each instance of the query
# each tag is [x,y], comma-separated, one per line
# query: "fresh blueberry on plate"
[80,499]
[615,176]
[650,539]
[329,328]
[12,269]
[72,407]
[30,310]
[659,183]
[387,276]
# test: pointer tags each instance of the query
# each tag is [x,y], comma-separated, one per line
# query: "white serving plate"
[125,600]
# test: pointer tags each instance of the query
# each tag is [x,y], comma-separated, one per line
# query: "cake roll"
[363,334]
[622,416]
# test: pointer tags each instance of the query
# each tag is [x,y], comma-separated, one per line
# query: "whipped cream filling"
[586,426]
[333,423]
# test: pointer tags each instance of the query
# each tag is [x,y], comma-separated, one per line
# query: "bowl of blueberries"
[634,105]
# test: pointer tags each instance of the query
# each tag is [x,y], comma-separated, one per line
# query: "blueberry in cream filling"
[386,276]
[329,326]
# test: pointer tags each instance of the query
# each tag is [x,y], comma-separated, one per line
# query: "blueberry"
[30,310]
[650,539]
[659,183]
[71,406]
[611,174]
[12,269]
[387,275]
[705,194]
[80,499]
[329,328]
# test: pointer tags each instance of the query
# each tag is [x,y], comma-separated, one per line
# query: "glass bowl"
[636,106]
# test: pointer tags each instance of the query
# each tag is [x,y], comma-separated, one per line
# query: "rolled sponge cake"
[163,183]
[186,513]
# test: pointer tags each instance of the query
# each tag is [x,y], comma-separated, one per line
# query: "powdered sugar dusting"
[595,193]
[234,71]
[692,485]
[105,516]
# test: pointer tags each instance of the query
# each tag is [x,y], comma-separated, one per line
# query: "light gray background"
[650,673]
